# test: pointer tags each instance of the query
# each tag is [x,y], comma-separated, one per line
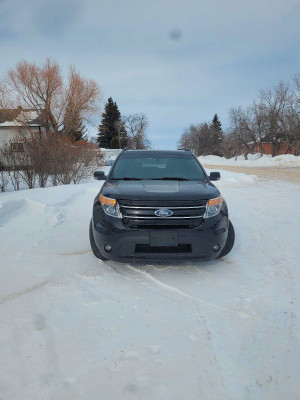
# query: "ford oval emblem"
[163,212]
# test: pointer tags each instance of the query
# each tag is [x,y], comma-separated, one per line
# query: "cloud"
[223,52]
[56,17]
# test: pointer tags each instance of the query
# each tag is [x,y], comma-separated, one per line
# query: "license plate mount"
[163,238]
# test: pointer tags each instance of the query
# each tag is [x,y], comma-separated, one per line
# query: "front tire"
[94,247]
[229,242]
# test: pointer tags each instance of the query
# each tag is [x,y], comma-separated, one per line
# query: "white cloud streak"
[227,50]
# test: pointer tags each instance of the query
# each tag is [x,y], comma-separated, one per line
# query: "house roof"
[19,117]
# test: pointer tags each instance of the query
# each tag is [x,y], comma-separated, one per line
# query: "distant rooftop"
[19,117]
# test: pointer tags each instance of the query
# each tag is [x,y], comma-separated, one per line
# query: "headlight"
[110,206]
[213,207]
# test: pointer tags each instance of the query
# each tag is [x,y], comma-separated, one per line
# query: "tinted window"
[142,167]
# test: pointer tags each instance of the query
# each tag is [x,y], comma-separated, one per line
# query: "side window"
[17,147]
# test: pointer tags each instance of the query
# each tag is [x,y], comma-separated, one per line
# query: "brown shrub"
[48,156]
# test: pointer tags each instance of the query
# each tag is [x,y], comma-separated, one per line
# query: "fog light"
[216,247]
[107,248]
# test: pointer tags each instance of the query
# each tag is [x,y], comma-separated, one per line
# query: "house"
[18,122]
[282,147]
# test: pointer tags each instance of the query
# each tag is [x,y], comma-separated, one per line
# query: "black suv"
[159,205]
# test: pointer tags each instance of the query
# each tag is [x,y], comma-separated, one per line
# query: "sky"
[178,62]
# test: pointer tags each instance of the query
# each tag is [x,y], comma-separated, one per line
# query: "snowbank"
[254,160]
[228,179]
[74,327]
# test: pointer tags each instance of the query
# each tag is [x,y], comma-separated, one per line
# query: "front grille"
[162,203]
[140,214]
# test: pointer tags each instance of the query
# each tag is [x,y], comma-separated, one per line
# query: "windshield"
[158,167]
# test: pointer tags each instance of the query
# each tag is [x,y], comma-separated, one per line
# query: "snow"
[254,160]
[9,123]
[110,154]
[23,118]
[74,327]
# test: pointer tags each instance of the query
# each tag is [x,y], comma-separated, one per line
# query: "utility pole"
[118,123]
[119,135]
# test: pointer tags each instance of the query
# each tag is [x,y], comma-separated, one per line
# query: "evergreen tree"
[217,135]
[115,144]
[73,126]
[109,125]
[217,129]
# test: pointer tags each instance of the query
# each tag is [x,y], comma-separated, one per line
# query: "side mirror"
[99,175]
[214,176]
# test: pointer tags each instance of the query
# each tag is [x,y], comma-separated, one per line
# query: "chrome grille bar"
[160,218]
[157,208]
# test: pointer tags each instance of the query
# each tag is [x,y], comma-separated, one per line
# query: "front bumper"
[134,244]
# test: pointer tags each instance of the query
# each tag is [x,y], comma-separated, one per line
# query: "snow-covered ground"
[254,160]
[73,327]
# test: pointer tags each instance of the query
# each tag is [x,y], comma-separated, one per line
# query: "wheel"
[229,242]
[94,247]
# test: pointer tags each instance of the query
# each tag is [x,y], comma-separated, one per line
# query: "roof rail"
[183,149]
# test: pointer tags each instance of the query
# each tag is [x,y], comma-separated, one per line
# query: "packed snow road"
[73,327]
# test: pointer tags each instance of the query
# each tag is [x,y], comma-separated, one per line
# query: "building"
[281,148]
[18,122]
[268,148]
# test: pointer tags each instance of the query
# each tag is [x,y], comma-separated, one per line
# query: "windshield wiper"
[170,178]
[126,179]
[165,178]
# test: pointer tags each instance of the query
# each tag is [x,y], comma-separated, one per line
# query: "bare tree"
[26,168]
[82,102]
[61,159]
[5,98]
[274,117]
[51,156]
[136,125]
[201,139]
[10,162]
[258,125]
[273,104]
[84,161]
[4,179]
[38,152]
[39,88]
[292,118]
[230,145]
[42,88]
[243,128]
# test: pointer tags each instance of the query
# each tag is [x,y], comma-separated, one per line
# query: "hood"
[152,190]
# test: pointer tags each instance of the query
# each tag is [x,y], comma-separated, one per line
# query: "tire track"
[147,280]
[14,296]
